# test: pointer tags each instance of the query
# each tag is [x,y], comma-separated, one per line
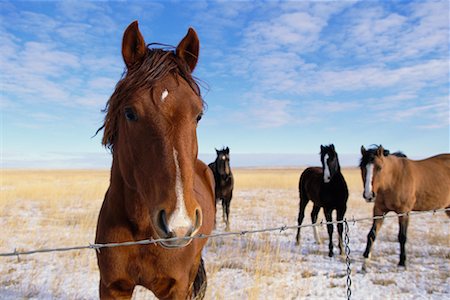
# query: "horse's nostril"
[162,222]
[198,219]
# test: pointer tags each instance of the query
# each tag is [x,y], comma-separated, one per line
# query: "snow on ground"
[256,266]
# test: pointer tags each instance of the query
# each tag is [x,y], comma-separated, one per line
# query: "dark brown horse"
[326,187]
[396,183]
[158,187]
[224,180]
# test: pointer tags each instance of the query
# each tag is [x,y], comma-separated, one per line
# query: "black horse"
[327,188]
[224,182]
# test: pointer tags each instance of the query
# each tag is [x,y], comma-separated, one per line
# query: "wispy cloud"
[394,52]
[432,113]
[261,112]
[51,67]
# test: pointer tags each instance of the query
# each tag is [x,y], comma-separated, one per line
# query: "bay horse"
[396,183]
[224,181]
[326,187]
[158,188]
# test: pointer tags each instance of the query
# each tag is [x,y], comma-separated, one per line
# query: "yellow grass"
[284,178]
[51,200]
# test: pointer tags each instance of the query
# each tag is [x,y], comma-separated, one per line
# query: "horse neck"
[393,171]
[337,177]
[338,174]
[216,166]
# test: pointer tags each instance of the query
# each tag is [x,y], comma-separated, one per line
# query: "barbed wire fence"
[279,229]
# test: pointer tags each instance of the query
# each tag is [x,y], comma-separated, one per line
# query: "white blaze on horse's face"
[179,217]
[368,193]
[224,157]
[326,171]
[164,95]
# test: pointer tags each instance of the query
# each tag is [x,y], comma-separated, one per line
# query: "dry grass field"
[40,209]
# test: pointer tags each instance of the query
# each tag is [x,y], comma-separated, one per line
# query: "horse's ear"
[217,151]
[133,45]
[363,150]
[227,150]
[380,151]
[332,147]
[188,49]
[321,148]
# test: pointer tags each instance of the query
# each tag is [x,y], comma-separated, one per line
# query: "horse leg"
[330,230]
[200,283]
[372,235]
[403,224]
[301,214]
[215,214]
[314,214]
[340,216]
[224,212]
[117,290]
[227,212]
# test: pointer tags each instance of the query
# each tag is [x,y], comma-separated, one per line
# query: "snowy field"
[256,266]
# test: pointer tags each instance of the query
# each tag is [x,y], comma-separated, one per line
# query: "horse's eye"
[130,114]
[199,117]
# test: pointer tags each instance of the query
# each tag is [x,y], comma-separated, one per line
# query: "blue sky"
[281,77]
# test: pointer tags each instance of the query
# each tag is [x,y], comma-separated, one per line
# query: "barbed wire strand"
[149,241]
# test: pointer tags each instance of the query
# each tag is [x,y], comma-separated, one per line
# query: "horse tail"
[302,188]
[200,282]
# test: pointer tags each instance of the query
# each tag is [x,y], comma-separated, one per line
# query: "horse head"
[375,169]
[223,163]
[330,162]
[371,166]
[150,126]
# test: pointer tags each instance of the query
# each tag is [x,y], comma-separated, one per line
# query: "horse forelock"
[328,150]
[157,64]
[370,154]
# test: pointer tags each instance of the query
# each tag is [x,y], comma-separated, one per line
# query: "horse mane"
[157,64]
[372,152]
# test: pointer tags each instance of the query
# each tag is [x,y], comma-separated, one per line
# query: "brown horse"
[158,187]
[396,183]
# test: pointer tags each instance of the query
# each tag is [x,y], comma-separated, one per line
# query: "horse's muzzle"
[177,237]
[369,198]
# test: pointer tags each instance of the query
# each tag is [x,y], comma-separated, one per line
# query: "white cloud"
[379,35]
[45,59]
[298,50]
[59,65]
[261,112]
[277,50]
[79,10]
